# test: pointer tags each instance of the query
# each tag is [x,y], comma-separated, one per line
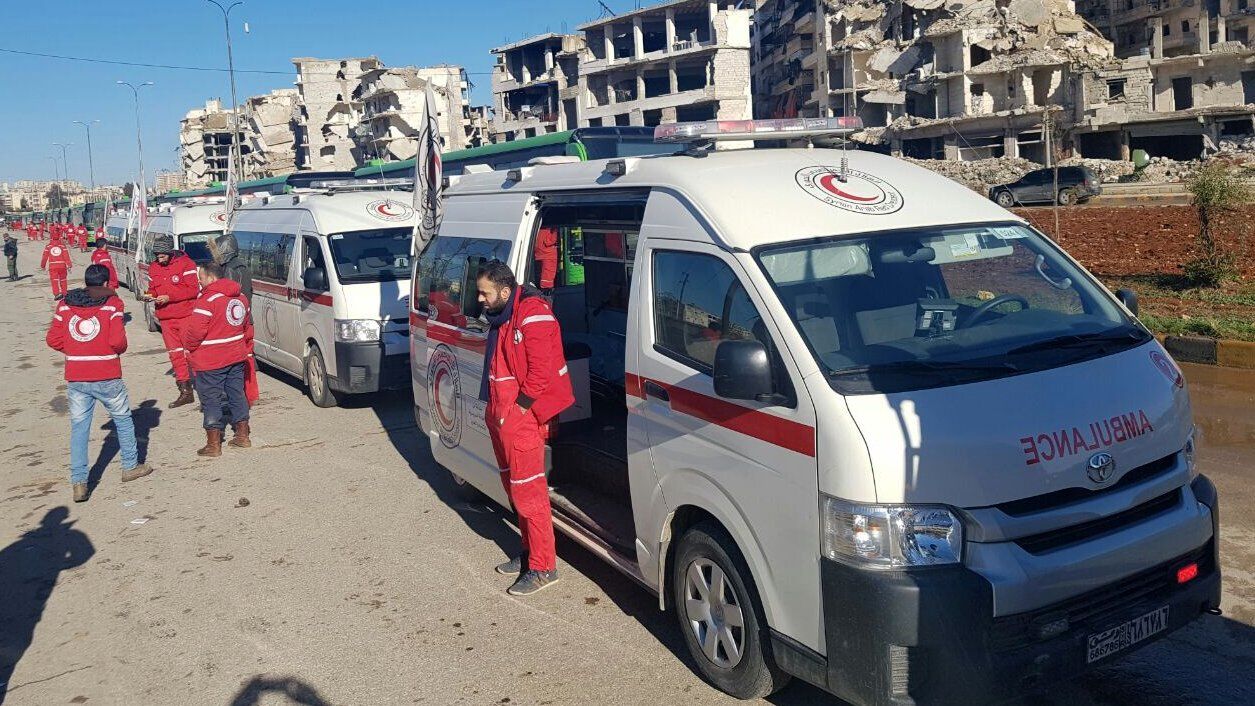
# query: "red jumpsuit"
[528,386]
[546,255]
[56,260]
[178,281]
[100,256]
[82,238]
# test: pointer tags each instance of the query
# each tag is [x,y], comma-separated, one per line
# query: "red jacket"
[176,280]
[546,253]
[87,327]
[102,257]
[528,367]
[56,256]
[220,330]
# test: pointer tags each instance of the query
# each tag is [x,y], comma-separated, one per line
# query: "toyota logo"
[1101,467]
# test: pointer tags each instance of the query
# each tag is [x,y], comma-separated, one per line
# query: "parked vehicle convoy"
[327,269]
[851,422]
[191,225]
[1075,185]
[123,240]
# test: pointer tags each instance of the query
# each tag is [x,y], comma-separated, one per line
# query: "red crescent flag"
[428,175]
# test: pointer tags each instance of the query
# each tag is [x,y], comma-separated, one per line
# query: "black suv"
[1076,185]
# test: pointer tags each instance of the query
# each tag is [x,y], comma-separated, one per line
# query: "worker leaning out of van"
[526,385]
[173,287]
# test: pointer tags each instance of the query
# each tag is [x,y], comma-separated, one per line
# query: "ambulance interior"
[596,244]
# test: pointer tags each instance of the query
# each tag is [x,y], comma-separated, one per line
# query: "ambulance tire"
[463,490]
[317,383]
[708,549]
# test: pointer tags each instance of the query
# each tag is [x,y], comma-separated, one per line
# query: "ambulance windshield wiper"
[929,366]
[1082,340]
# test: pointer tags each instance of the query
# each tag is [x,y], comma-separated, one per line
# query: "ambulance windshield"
[926,308]
[377,255]
[196,245]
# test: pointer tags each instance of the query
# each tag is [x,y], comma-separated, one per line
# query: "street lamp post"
[56,168]
[91,167]
[64,163]
[139,142]
[235,106]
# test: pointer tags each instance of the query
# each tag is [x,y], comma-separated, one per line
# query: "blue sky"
[43,96]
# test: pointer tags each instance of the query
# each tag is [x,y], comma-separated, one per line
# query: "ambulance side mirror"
[314,279]
[1128,298]
[743,371]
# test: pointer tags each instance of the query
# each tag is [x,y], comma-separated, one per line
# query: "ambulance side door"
[476,228]
[750,464]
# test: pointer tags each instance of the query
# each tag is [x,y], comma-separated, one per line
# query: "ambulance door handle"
[653,389]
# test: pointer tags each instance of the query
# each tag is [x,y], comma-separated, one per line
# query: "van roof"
[193,218]
[336,212]
[758,196]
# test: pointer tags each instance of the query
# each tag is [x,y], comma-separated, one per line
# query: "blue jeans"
[222,390]
[83,397]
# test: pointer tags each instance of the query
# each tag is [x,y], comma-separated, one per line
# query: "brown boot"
[213,443]
[185,394]
[81,493]
[240,440]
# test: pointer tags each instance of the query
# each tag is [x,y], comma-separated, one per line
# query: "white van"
[122,244]
[328,272]
[854,424]
[191,225]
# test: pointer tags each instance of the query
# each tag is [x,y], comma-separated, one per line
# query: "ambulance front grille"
[1068,496]
[1085,531]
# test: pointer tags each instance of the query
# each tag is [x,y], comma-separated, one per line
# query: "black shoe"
[513,566]
[533,581]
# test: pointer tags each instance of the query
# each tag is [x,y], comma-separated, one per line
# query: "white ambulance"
[191,224]
[328,272]
[851,421]
[123,241]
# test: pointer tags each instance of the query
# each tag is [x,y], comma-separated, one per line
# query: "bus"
[585,143]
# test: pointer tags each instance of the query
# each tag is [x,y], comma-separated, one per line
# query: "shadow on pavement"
[294,690]
[28,571]
[147,416]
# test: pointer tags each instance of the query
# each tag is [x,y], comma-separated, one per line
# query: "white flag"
[232,188]
[428,176]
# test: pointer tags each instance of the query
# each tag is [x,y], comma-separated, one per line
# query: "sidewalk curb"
[1210,351]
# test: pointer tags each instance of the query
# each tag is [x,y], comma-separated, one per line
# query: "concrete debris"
[1108,171]
[978,175]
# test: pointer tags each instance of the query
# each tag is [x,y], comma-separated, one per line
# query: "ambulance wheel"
[720,615]
[317,385]
[462,490]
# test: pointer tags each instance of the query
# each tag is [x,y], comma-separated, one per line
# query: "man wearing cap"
[173,288]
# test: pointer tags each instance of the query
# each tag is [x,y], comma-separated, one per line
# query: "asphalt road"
[331,564]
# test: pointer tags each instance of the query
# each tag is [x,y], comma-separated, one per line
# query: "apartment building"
[331,111]
[677,61]
[205,143]
[394,101]
[534,86]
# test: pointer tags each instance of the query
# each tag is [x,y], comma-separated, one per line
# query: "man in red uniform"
[526,386]
[56,261]
[546,256]
[82,238]
[101,256]
[173,288]
[219,337]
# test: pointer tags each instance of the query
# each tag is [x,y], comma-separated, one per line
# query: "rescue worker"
[526,386]
[101,256]
[32,231]
[219,337]
[173,287]
[88,329]
[545,253]
[56,261]
[10,255]
[82,237]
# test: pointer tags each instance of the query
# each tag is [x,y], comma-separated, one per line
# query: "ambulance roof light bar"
[334,185]
[774,129]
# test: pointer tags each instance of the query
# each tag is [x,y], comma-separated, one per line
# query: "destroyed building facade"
[534,86]
[393,109]
[673,62]
[205,144]
[331,111]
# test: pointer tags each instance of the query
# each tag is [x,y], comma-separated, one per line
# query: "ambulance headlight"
[890,536]
[357,330]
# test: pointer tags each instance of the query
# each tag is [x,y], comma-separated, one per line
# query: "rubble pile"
[978,175]
[1162,170]
[1108,171]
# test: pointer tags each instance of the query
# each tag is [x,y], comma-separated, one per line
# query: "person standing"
[526,386]
[173,288]
[10,255]
[81,231]
[101,256]
[219,337]
[87,327]
[56,260]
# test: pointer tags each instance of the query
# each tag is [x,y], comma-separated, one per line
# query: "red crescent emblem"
[383,208]
[440,376]
[828,182]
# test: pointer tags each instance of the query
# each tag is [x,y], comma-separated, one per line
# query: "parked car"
[1076,185]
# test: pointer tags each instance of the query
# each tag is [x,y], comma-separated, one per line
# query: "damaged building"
[954,79]
[270,124]
[677,61]
[331,111]
[534,86]
[393,109]
[205,143]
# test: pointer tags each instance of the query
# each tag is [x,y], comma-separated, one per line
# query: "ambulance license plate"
[1125,635]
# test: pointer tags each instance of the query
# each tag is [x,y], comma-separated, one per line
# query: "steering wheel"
[983,310]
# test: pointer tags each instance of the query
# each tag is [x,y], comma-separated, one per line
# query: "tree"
[127,188]
[56,198]
[1217,191]
[26,205]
